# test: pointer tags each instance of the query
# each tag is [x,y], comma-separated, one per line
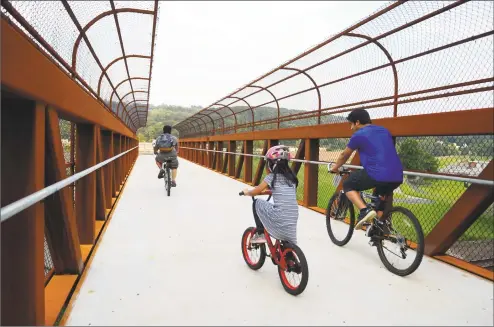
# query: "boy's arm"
[342,158]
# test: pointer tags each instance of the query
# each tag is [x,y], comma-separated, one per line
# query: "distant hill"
[160,115]
[168,114]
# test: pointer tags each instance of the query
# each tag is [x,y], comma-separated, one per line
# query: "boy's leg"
[162,172]
[174,166]
[357,181]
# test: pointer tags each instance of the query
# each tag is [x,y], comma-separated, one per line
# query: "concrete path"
[177,261]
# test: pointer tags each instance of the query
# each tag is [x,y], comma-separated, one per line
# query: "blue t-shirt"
[377,153]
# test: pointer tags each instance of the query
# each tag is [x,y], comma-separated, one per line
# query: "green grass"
[443,194]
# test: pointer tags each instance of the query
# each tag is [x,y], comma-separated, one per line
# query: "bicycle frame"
[275,248]
[388,199]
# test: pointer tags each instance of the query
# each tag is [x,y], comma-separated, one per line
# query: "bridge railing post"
[23,173]
[116,166]
[107,149]
[311,174]
[219,161]
[86,186]
[210,155]
[232,147]
[248,149]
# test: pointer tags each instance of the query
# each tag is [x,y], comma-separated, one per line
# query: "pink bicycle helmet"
[278,152]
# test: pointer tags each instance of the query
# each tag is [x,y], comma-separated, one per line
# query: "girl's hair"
[283,169]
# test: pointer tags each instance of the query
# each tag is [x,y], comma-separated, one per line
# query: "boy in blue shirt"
[382,166]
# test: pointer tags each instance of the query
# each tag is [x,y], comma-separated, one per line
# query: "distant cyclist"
[279,218]
[382,166]
[165,148]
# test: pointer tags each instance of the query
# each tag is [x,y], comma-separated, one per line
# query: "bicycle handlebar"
[341,171]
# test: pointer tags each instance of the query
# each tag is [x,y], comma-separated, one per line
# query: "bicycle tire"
[262,258]
[419,249]
[168,183]
[351,223]
[304,267]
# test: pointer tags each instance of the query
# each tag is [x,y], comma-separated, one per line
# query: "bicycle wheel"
[254,254]
[402,239]
[296,275]
[168,183]
[340,219]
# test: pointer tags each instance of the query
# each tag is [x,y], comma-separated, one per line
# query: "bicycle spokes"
[398,239]
[292,274]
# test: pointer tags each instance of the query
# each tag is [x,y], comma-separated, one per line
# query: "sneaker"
[161,173]
[258,238]
[174,184]
[366,215]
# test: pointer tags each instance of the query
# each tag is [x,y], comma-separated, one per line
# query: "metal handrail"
[407,173]
[14,208]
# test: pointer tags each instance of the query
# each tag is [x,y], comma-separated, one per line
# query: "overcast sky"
[205,50]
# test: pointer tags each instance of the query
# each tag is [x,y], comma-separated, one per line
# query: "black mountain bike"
[395,232]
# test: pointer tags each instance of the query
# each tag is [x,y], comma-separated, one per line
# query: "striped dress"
[280,219]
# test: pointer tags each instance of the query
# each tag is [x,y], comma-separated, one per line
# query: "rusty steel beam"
[107,143]
[61,225]
[248,149]
[22,241]
[86,186]
[18,61]
[300,155]
[238,168]
[116,166]
[311,175]
[100,179]
[155,17]
[260,165]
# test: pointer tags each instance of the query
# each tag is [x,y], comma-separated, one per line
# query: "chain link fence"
[47,259]
[476,245]
[409,58]
[94,43]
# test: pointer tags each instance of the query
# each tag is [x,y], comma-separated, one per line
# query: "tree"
[64,129]
[413,157]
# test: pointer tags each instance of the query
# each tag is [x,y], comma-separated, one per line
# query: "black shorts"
[359,180]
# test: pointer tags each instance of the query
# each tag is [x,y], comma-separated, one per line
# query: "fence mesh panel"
[54,24]
[429,56]
[476,245]
[47,258]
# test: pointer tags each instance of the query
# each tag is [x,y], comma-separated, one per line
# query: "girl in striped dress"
[280,218]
